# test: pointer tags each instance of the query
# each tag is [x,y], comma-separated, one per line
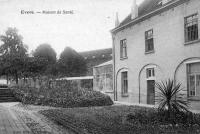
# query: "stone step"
[6,95]
[1,92]
[9,100]
[5,91]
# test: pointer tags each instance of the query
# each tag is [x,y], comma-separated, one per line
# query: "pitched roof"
[96,57]
[145,7]
[105,63]
[96,53]
[76,78]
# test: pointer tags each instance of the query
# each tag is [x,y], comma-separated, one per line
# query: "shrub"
[67,96]
[169,97]
[159,118]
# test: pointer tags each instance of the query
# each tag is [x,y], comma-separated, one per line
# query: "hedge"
[61,97]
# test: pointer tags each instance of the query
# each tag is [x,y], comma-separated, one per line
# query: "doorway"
[151,92]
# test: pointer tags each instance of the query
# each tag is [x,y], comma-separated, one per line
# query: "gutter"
[149,15]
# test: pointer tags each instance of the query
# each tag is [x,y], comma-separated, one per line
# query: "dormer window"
[160,3]
[165,1]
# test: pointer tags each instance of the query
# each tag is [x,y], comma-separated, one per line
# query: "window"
[149,46]
[123,49]
[150,72]
[191,28]
[124,78]
[193,72]
[103,81]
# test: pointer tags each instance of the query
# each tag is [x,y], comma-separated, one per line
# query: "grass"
[115,120]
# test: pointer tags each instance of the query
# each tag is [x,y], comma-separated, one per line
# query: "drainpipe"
[139,86]
[139,83]
[114,78]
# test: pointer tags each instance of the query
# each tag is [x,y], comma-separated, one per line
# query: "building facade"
[159,40]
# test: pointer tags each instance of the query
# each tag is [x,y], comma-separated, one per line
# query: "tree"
[47,55]
[170,98]
[12,53]
[45,51]
[33,66]
[71,63]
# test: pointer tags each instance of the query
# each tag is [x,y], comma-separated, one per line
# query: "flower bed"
[61,97]
[123,120]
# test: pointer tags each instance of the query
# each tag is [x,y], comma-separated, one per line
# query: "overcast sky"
[88,28]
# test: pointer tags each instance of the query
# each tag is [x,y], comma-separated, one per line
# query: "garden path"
[16,118]
[10,123]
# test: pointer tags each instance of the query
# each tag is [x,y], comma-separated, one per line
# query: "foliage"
[71,63]
[13,53]
[47,55]
[155,118]
[170,98]
[123,120]
[45,51]
[61,96]
[33,67]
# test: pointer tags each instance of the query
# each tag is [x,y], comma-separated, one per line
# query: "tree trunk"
[24,81]
[7,78]
[34,82]
[169,110]
[16,77]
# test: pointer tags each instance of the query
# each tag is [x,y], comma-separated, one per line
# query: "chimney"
[116,20]
[134,10]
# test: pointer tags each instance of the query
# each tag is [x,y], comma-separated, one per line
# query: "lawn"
[122,120]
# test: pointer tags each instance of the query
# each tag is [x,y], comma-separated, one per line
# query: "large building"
[96,57]
[160,39]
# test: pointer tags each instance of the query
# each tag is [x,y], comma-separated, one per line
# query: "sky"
[85,26]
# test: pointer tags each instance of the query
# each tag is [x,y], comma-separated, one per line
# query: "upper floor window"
[123,49]
[191,28]
[124,83]
[149,45]
[193,73]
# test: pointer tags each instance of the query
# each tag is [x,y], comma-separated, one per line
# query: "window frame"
[185,27]
[123,81]
[195,80]
[152,72]
[123,49]
[147,41]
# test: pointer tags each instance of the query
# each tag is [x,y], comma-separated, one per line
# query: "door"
[151,92]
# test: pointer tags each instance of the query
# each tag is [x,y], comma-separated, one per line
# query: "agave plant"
[169,97]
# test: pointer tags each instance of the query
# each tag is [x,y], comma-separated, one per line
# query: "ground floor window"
[193,73]
[124,83]
[150,73]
